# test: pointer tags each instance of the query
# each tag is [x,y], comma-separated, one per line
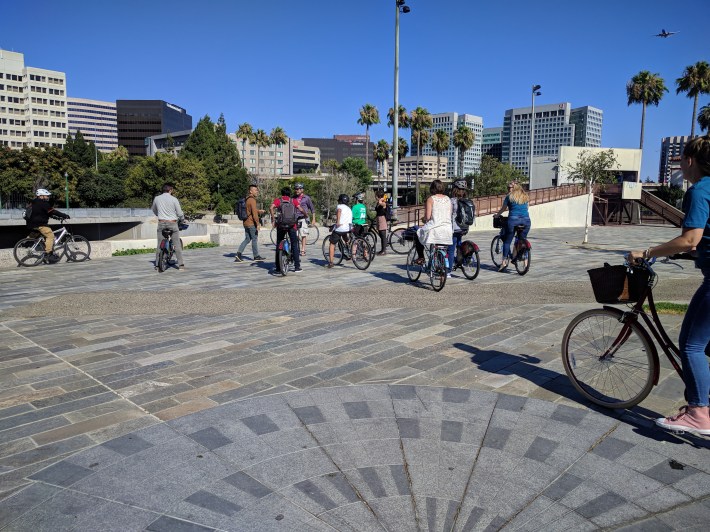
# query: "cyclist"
[287,228]
[343,220]
[459,192]
[437,221]
[307,203]
[381,214]
[42,211]
[359,214]
[694,338]
[170,216]
[517,202]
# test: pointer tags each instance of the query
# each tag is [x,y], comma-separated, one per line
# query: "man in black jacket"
[39,221]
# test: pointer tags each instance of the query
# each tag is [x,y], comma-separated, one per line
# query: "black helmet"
[460,183]
[359,196]
[298,185]
[344,199]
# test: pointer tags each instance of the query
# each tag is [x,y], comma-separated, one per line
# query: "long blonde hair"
[518,195]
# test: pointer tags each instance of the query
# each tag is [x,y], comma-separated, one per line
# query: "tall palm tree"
[645,88]
[261,140]
[402,149]
[464,138]
[382,153]
[439,143]
[245,133]
[369,115]
[403,118]
[278,137]
[695,81]
[704,118]
[420,122]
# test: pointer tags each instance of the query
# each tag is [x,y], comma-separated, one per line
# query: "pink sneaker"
[690,419]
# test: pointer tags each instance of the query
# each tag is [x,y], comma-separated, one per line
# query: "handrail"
[665,210]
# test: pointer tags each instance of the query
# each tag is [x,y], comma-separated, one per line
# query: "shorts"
[335,237]
[303,228]
[358,230]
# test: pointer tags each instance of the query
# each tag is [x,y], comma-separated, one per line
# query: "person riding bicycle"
[459,192]
[307,204]
[694,338]
[381,217]
[343,221]
[170,216]
[517,203]
[437,227]
[359,214]
[42,211]
[286,227]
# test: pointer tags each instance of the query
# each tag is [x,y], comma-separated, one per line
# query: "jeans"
[510,232]
[694,343]
[250,233]
[295,248]
[176,241]
[452,250]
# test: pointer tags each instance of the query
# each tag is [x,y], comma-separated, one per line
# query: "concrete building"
[304,158]
[96,120]
[33,104]
[671,150]
[449,122]
[273,160]
[167,142]
[427,169]
[491,144]
[341,147]
[140,119]
[555,125]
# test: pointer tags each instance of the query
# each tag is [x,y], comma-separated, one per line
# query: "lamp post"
[399,7]
[66,188]
[535,92]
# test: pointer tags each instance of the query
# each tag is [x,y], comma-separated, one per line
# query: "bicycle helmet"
[344,199]
[461,184]
[299,185]
[359,196]
[43,192]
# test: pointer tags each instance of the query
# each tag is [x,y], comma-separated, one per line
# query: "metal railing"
[663,209]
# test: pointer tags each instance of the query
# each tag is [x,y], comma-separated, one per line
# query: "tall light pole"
[399,6]
[535,92]
[66,188]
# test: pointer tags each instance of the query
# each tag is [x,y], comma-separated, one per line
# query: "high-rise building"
[449,122]
[341,147]
[271,160]
[140,119]
[96,120]
[304,158]
[671,150]
[587,122]
[33,104]
[491,144]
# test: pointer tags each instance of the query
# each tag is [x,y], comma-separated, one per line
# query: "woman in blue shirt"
[694,339]
[517,202]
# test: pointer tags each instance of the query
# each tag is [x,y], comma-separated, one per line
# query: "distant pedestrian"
[251,226]
[170,216]
[381,217]
[306,203]
[284,216]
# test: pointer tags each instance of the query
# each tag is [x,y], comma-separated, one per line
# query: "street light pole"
[66,188]
[399,4]
[535,92]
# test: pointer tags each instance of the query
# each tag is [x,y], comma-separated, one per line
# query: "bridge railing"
[119,212]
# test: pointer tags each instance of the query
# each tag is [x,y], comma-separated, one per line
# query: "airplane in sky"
[665,33]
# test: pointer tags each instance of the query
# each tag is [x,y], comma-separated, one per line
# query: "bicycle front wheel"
[361,253]
[29,251]
[77,248]
[612,378]
[413,270]
[313,235]
[437,272]
[371,239]
[497,251]
[272,234]
[163,260]
[470,265]
[283,261]
[398,243]
[523,258]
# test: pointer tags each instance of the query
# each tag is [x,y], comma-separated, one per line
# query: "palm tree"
[420,122]
[704,118]
[645,88]
[261,140]
[402,149]
[695,81]
[403,117]
[245,133]
[382,153]
[439,143]
[278,137]
[369,115]
[464,138]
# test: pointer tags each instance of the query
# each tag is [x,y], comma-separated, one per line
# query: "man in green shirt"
[359,214]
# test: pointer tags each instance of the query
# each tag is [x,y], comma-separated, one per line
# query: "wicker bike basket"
[500,222]
[618,284]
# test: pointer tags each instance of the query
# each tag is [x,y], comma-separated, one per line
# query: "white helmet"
[43,192]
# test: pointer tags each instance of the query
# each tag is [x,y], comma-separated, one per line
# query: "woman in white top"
[437,227]
[343,225]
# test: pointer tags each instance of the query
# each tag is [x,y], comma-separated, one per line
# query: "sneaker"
[382,253]
[259,258]
[51,258]
[689,419]
[448,275]
[238,258]
[298,270]
[329,265]
[181,268]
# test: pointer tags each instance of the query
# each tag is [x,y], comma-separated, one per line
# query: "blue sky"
[309,66]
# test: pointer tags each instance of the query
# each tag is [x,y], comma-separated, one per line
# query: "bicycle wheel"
[29,251]
[523,258]
[398,243]
[497,251]
[284,260]
[272,234]
[77,248]
[338,253]
[313,235]
[470,265]
[163,260]
[413,270]
[371,239]
[361,253]
[619,380]
[437,272]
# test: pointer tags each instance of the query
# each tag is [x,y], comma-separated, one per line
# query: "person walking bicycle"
[167,208]
[251,226]
[284,214]
[38,220]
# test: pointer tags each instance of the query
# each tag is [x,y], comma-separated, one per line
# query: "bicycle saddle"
[167,233]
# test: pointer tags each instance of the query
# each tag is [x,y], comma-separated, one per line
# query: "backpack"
[465,213]
[288,214]
[27,214]
[389,212]
[241,209]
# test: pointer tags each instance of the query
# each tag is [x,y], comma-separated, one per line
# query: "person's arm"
[337,218]
[154,208]
[178,211]
[253,212]
[687,241]
[313,210]
[272,209]
[506,201]
[429,207]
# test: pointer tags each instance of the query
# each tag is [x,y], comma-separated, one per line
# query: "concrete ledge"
[99,250]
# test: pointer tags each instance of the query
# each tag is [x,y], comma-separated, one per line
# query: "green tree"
[464,137]
[120,153]
[439,143]
[420,122]
[261,140]
[369,115]
[245,133]
[100,189]
[382,153]
[593,169]
[358,170]
[403,118]
[494,176]
[694,81]
[704,118]
[278,138]
[647,89]
[402,149]
[672,194]
[79,151]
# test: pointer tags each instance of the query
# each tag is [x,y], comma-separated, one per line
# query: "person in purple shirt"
[309,210]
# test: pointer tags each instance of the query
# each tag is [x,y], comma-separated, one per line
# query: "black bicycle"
[467,259]
[355,248]
[433,263]
[167,249]
[520,247]
[284,254]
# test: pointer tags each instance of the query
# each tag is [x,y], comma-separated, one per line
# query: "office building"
[449,122]
[272,160]
[340,147]
[96,120]
[33,104]
[587,126]
[491,144]
[304,159]
[167,142]
[427,170]
[671,150]
[140,119]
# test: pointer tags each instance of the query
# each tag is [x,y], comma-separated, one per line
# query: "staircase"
[610,208]
[665,210]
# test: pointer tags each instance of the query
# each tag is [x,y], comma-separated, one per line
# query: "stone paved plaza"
[226,398]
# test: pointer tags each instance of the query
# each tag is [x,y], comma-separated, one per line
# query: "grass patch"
[664,307]
[200,245]
[142,251]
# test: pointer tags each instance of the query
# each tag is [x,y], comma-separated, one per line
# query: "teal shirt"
[359,214]
[696,204]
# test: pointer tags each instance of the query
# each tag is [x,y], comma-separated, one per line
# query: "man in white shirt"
[343,222]
[167,209]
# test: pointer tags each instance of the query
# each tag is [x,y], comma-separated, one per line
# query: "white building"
[33,104]
[272,160]
[427,169]
[96,120]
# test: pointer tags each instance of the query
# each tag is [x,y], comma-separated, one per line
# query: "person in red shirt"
[290,227]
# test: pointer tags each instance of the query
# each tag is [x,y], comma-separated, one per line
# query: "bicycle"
[312,238]
[607,353]
[356,249]
[467,259]
[30,251]
[434,264]
[521,247]
[397,240]
[167,248]
[284,257]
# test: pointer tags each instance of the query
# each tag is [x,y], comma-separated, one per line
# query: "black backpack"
[288,213]
[27,214]
[465,213]
[241,209]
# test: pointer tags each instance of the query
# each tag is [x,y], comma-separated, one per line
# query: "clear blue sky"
[309,66]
